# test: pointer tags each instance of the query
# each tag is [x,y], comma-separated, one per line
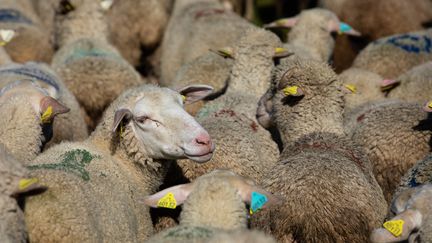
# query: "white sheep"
[94,184]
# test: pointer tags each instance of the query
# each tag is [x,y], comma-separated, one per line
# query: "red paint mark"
[361,117]
[208,12]
[347,152]
[231,113]
[254,126]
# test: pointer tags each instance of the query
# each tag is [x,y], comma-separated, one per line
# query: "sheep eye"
[142,119]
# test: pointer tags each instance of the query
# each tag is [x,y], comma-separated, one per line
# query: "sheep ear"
[398,228]
[263,110]
[119,115]
[401,200]
[388,84]
[226,52]
[342,28]
[65,7]
[50,108]
[27,185]
[282,53]
[282,23]
[193,93]
[257,198]
[170,197]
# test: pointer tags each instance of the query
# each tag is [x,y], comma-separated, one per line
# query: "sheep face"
[164,129]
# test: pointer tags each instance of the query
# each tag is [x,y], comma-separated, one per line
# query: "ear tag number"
[394,226]
[257,202]
[167,201]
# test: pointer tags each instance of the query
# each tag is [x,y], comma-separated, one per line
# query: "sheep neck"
[127,149]
[319,114]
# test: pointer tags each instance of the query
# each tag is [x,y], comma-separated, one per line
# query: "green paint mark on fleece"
[73,161]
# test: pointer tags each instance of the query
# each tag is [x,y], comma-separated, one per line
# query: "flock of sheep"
[257,140]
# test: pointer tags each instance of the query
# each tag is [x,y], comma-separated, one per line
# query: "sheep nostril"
[203,140]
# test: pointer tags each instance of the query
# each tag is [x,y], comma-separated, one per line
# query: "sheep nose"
[203,139]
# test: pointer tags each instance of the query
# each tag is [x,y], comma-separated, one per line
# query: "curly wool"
[145,21]
[366,85]
[323,98]
[207,19]
[319,168]
[104,71]
[311,34]
[392,56]
[379,129]
[317,177]
[21,130]
[31,42]
[66,127]
[419,174]
[12,225]
[415,84]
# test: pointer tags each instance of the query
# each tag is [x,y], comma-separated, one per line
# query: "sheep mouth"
[200,158]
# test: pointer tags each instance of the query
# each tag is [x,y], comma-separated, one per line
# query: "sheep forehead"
[255,36]
[157,100]
[230,177]
[318,16]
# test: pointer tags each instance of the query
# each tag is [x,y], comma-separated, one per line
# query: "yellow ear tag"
[183,98]
[290,90]
[394,226]
[429,104]
[25,183]
[167,201]
[45,118]
[279,50]
[351,87]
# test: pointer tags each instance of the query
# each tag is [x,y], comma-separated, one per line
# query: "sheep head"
[163,128]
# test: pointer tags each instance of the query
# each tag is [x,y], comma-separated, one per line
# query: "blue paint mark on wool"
[33,73]
[411,43]
[13,16]
[413,182]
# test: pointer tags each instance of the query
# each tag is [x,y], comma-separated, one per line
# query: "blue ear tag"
[343,27]
[257,202]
